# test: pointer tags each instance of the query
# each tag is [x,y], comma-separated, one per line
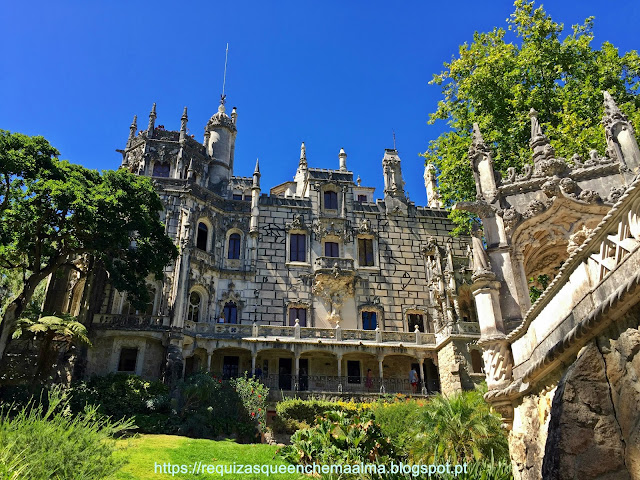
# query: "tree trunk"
[15,309]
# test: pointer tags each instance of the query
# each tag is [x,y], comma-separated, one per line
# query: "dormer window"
[330,200]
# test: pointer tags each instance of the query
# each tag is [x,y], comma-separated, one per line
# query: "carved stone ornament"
[365,227]
[578,239]
[551,187]
[335,227]
[297,223]
[551,166]
[498,363]
[589,196]
[568,186]
[527,172]
[511,217]
[615,194]
[333,289]
[534,208]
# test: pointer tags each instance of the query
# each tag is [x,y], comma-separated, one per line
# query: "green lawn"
[145,451]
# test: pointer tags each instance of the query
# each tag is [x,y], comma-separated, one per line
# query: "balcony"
[331,263]
[299,334]
[131,322]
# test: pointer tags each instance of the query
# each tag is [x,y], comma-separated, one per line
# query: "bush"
[121,395]
[340,438]
[253,396]
[296,414]
[398,420]
[56,443]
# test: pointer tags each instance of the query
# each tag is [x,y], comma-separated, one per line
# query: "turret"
[394,196]
[343,160]
[220,139]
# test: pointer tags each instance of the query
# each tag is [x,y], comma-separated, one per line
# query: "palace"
[315,286]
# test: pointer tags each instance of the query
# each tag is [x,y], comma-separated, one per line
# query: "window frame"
[369,313]
[332,244]
[233,307]
[121,360]
[299,249]
[237,250]
[292,318]
[332,197]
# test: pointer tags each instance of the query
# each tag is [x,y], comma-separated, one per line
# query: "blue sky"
[333,74]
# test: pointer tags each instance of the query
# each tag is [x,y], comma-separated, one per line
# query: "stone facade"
[563,372]
[309,286]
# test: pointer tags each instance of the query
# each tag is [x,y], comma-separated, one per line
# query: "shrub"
[121,395]
[340,438]
[398,420]
[296,414]
[58,444]
[253,396]
[460,428]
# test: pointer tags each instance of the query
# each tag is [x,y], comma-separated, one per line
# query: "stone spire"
[152,121]
[255,198]
[303,156]
[539,143]
[183,125]
[621,142]
[433,198]
[132,129]
[343,160]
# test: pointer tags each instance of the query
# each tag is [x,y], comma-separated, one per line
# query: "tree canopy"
[501,75]
[53,211]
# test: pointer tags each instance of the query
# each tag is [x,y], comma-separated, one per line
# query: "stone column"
[209,355]
[340,373]
[422,377]
[381,372]
[254,357]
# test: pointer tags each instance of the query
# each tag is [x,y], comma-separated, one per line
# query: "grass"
[144,451]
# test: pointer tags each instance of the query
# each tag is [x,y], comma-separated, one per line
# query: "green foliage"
[340,438]
[295,414]
[52,210]
[460,428]
[253,396]
[57,444]
[538,285]
[397,421]
[497,78]
[121,395]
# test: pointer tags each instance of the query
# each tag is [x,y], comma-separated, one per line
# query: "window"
[415,319]
[365,252]
[201,239]
[128,357]
[369,321]
[362,198]
[237,196]
[230,367]
[300,314]
[353,371]
[477,365]
[230,313]
[161,170]
[331,249]
[234,246]
[194,307]
[298,247]
[330,200]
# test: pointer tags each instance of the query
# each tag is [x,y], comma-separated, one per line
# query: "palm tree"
[459,428]
[56,336]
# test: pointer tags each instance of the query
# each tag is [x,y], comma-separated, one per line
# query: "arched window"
[201,239]
[161,169]
[234,246]
[194,307]
[230,313]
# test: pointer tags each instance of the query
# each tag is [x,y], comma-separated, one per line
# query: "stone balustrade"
[327,263]
[137,322]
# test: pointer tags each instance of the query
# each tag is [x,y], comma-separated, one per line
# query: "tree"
[501,75]
[460,428]
[53,212]
[50,330]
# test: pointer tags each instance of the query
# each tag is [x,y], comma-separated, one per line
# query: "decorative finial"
[183,125]
[476,136]
[257,169]
[611,109]
[133,128]
[358,180]
[343,160]
[152,121]
[303,155]
[539,143]
[234,115]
